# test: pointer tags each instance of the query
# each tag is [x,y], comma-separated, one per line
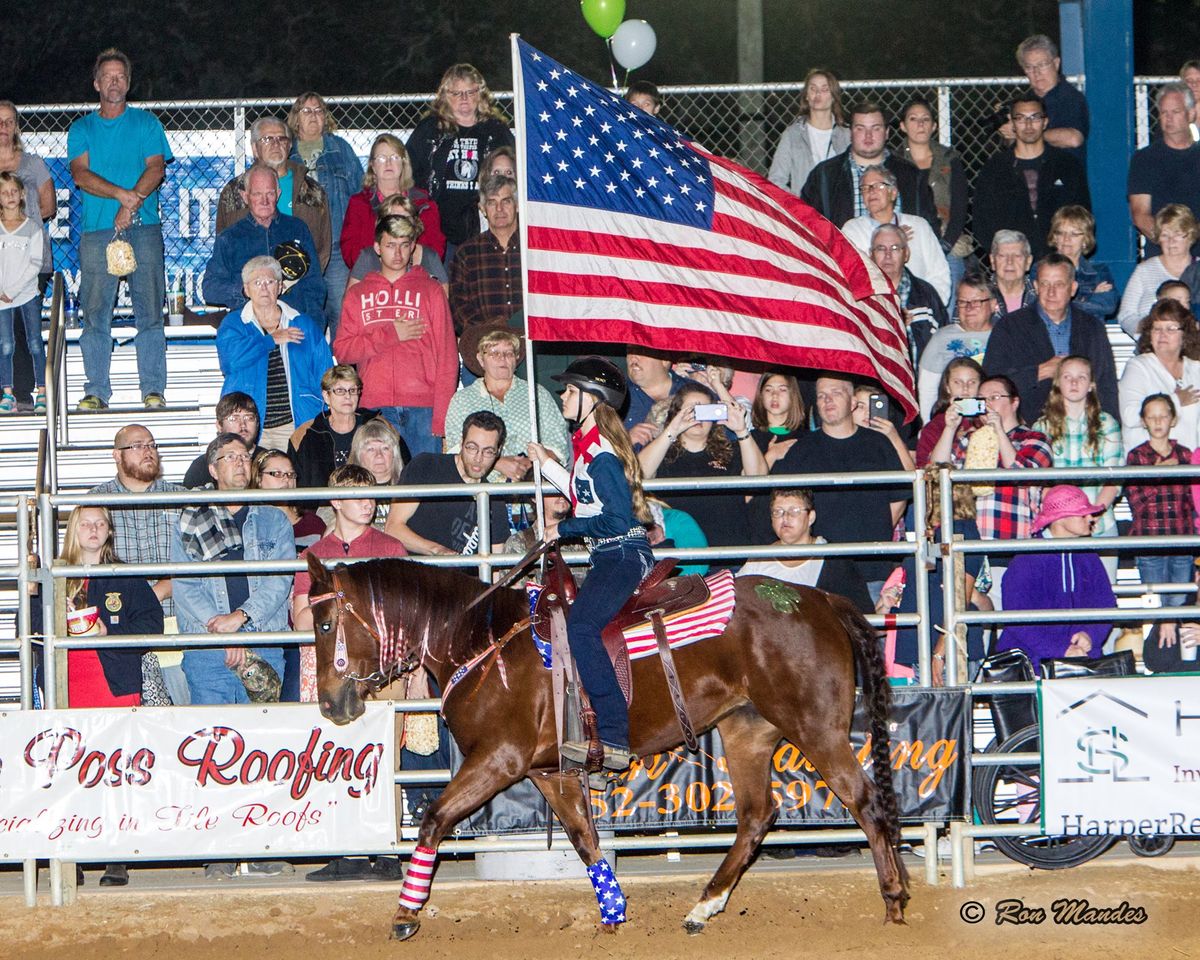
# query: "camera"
[971,406]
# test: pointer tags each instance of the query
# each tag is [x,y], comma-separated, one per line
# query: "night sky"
[267,48]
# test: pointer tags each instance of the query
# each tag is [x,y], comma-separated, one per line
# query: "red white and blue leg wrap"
[608,892]
[417,879]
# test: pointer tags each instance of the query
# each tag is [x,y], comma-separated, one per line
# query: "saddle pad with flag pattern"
[686,626]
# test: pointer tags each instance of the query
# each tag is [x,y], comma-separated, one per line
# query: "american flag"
[636,235]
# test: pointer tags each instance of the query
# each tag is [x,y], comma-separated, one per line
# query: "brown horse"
[783,668]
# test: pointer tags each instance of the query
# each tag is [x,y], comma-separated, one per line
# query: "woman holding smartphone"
[696,443]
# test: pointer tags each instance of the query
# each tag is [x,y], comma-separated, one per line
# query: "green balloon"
[603,16]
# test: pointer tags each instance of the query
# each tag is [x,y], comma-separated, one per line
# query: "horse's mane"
[417,598]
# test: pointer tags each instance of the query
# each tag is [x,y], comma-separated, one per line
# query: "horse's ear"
[316,570]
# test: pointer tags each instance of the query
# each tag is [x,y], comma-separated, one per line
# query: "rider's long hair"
[611,428]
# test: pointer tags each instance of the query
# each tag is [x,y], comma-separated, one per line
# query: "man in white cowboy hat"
[1063,580]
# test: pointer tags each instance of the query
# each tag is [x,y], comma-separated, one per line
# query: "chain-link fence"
[210,140]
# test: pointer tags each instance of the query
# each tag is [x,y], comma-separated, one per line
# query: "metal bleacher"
[85,453]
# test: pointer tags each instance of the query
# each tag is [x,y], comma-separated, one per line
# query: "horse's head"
[357,652]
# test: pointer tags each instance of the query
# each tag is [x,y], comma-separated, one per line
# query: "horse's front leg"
[481,777]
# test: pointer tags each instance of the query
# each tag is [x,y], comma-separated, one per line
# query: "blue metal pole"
[1108,67]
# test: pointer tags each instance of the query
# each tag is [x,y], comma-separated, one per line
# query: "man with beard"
[143,534]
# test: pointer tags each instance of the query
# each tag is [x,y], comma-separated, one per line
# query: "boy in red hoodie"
[396,329]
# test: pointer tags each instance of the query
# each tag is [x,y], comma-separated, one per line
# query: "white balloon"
[633,44]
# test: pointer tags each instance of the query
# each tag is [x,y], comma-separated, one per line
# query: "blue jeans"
[97,296]
[958,269]
[336,275]
[415,425]
[210,681]
[616,571]
[1167,568]
[30,315]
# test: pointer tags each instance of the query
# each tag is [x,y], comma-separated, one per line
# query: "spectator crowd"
[373,336]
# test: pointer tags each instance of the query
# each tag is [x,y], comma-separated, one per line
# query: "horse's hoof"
[402,931]
[693,927]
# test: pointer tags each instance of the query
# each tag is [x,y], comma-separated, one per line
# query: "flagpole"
[522,220]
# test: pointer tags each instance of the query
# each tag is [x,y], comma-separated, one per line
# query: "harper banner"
[229,781]
[1119,756]
[929,744]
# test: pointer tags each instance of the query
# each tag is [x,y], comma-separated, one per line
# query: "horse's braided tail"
[877,693]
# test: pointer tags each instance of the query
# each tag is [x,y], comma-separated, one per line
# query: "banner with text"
[927,731]
[228,782]
[1119,756]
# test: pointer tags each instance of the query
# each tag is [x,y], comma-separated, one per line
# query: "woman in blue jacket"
[605,489]
[274,354]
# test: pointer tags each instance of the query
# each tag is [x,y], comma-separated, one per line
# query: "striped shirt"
[279,404]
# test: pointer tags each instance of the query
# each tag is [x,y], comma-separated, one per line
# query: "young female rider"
[605,487]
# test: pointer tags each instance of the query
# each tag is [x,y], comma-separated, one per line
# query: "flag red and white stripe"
[686,627]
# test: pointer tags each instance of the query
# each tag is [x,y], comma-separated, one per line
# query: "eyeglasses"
[1030,67]
[882,248]
[243,418]
[1028,117]
[235,457]
[275,138]
[468,94]
[993,397]
[386,157]
[280,474]
[1169,330]
[265,283]
[313,111]
[141,445]
[878,185]
[780,512]
[501,354]
[345,391]
[974,304]
[474,450]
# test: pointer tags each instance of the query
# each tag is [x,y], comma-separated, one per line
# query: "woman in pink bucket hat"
[1066,580]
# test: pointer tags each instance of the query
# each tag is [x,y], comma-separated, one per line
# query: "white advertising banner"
[229,782]
[1119,756]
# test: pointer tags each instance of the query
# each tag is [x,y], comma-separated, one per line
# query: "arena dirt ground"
[787,914]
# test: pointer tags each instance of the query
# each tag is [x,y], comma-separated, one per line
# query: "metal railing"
[962,834]
[50,575]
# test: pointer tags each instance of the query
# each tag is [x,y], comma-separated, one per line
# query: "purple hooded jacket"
[1054,581]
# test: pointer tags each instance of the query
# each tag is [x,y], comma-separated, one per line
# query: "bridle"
[387,639]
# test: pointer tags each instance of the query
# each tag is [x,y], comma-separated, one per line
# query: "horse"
[783,668]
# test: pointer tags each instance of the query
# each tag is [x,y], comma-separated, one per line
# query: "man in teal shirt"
[118,157]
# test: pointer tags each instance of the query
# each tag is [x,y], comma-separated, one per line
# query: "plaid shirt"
[1007,512]
[143,534]
[485,281]
[1157,507]
[1072,450]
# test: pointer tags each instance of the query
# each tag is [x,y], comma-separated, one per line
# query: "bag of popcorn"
[119,254]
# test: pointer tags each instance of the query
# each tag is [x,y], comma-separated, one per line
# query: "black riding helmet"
[596,376]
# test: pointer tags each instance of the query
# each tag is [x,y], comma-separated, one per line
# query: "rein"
[512,574]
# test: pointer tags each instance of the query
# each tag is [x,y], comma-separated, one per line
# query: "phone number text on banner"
[230,781]
[681,789]
[1119,756]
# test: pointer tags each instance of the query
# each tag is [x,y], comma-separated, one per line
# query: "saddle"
[656,597]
